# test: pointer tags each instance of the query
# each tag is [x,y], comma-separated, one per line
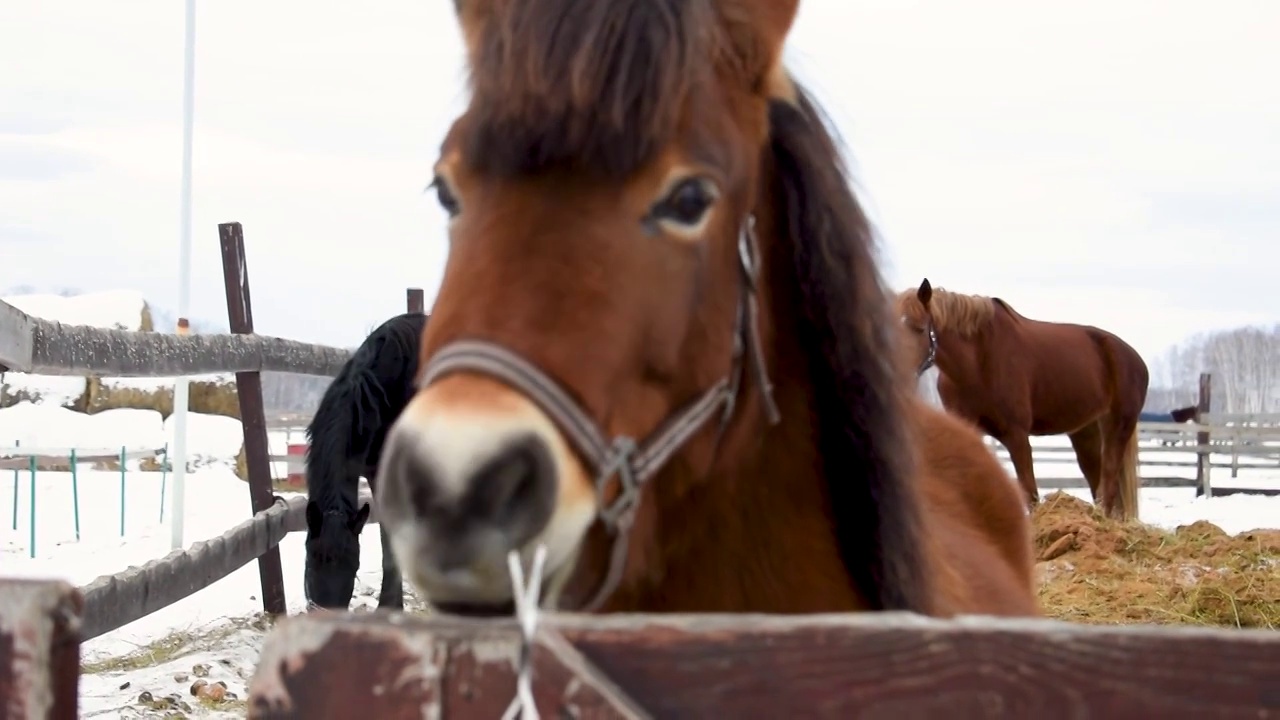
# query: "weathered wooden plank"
[113,601]
[422,675]
[34,345]
[235,275]
[1244,418]
[1063,483]
[1225,491]
[39,649]
[884,665]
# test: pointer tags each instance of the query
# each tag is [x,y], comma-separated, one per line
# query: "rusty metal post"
[39,649]
[1204,460]
[235,274]
[415,301]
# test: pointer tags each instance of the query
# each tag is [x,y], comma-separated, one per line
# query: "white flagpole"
[181,389]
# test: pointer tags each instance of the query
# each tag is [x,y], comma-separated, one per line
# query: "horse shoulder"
[977,516]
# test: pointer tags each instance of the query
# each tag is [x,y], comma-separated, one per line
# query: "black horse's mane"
[349,426]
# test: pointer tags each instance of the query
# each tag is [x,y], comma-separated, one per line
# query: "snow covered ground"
[218,628]
[219,621]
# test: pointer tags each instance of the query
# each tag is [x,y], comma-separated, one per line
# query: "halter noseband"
[634,463]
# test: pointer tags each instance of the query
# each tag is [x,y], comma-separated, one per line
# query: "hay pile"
[1096,570]
[216,396]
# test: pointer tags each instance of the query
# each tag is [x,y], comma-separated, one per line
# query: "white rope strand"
[526,604]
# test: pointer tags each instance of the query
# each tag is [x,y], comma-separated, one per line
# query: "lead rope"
[526,605]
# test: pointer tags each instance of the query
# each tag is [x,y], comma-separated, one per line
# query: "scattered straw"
[1096,570]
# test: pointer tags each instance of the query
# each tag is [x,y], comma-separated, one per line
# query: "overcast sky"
[1114,162]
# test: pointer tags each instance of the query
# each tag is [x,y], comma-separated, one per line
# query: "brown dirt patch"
[1096,570]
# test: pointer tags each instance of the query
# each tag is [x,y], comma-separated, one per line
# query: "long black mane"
[845,329]
[346,434]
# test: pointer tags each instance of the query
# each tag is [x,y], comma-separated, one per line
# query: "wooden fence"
[34,345]
[1238,441]
[338,665]
[880,665]
[1171,455]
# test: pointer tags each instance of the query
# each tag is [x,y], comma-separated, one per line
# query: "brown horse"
[1015,377]
[662,348]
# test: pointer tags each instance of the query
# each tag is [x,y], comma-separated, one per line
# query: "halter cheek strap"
[634,463]
[932,355]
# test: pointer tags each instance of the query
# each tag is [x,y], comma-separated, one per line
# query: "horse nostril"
[406,478]
[515,490]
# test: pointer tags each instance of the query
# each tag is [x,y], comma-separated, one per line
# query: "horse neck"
[960,355]
[756,534]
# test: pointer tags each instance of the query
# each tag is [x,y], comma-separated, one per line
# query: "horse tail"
[1127,493]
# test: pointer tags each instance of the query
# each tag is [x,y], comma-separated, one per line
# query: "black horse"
[1180,415]
[345,441]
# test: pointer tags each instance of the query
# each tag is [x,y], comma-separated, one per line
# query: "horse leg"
[1019,447]
[1087,442]
[391,594]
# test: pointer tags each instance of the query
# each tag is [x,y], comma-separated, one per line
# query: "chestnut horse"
[1015,377]
[662,349]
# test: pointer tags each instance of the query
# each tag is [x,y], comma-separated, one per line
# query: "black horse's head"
[333,555]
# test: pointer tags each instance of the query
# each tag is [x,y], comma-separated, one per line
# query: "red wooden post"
[297,474]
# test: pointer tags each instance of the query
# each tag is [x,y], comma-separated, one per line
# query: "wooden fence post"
[235,274]
[39,649]
[415,301]
[1203,457]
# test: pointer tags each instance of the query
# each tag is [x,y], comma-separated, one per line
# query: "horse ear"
[758,29]
[357,521]
[314,517]
[925,293]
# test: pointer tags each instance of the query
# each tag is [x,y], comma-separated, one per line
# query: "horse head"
[649,225]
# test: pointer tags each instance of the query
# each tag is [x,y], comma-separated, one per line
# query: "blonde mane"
[952,312]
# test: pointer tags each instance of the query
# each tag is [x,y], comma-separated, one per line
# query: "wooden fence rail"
[34,345]
[871,665]
[44,347]
[19,458]
[113,601]
[880,665]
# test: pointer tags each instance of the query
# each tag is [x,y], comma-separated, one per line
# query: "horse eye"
[687,203]
[445,197]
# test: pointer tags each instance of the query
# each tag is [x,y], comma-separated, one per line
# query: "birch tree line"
[1244,362]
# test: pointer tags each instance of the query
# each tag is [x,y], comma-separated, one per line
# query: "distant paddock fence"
[33,345]
[33,460]
[1226,441]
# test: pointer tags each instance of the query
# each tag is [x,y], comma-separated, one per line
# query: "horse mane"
[595,87]
[846,330]
[352,416]
[955,312]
